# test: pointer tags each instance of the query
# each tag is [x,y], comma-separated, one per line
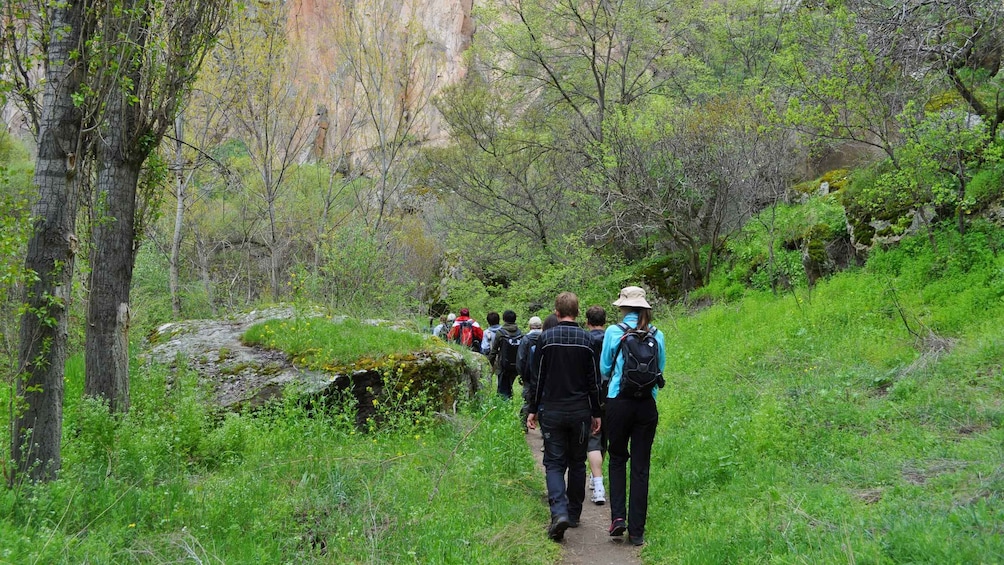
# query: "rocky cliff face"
[438,31]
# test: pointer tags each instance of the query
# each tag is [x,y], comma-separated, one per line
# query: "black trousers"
[505,384]
[630,423]
[565,435]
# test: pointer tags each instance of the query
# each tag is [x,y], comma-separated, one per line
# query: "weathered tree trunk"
[112,260]
[37,417]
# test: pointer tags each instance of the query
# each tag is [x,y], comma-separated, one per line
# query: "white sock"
[598,481]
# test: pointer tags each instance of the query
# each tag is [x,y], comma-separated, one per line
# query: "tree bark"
[179,215]
[37,417]
[112,259]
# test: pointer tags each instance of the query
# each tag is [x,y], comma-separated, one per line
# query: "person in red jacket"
[466,331]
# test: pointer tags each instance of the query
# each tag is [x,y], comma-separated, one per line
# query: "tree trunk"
[112,260]
[37,417]
[179,216]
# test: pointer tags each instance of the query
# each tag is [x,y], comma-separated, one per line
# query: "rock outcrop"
[243,377]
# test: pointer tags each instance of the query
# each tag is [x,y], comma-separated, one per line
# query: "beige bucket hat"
[632,297]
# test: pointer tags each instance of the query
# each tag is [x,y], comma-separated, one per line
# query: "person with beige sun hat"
[631,412]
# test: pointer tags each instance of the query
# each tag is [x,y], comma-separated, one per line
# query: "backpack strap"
[626,329]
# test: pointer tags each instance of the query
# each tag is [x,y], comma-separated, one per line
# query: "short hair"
[508,316]
[550,322]
[596,316]
[493,318]
[567,305]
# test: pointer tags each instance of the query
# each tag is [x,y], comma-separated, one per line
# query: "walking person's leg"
[618,433]
[646,420]
[578,438]
[556,441]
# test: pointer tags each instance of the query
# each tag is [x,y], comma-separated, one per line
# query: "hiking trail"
[589,544]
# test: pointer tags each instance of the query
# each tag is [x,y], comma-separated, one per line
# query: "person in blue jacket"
[630,421]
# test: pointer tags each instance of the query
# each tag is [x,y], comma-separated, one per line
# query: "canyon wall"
[423,40]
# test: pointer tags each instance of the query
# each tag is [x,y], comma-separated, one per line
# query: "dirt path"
[589,544]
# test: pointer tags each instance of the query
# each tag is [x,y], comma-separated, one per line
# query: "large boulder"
[242,377]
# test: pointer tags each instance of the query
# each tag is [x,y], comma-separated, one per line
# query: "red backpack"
[464,335]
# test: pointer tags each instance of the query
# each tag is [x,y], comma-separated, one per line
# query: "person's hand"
[531,421]
[596,426]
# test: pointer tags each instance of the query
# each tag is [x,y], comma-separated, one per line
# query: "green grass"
[172,481]
[816,428]
[862,422]
[175,480]
[318,342]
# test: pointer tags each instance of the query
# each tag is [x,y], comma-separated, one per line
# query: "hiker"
[493,326]
[527,362]
[523,364]
[441,329]
[567,398]
[466,331]
[503,353]
[631,412]
[596,322]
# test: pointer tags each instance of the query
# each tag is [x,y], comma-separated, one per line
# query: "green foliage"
[151,298]
[986,187]
[361,273]
[594,277]
[789,231]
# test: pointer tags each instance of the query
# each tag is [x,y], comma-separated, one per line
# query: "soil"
[589,544]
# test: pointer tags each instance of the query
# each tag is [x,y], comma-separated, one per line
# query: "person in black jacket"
[567,398]
[503,352]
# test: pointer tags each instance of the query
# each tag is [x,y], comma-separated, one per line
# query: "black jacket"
[506,331]
[566,370]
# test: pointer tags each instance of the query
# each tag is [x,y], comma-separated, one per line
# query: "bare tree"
[393,68]
[270,113]
[498,174]
[587,58]
[960,43]
[707,170]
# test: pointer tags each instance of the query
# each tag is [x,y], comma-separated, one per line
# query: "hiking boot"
[618,527]
[636,540]
[558,526]
[573,522]
[599,496]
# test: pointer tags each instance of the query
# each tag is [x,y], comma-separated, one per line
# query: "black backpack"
[641,362]
[508,348]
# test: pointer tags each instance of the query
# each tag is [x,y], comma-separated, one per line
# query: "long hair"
[644,318]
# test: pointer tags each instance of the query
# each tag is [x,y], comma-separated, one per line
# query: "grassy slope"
[818,429]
